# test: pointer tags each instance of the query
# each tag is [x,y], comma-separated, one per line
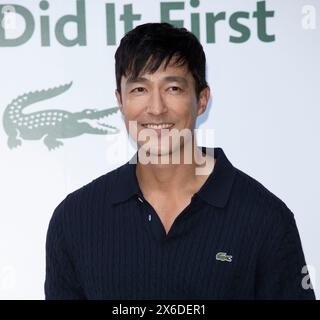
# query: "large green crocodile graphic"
[51,124]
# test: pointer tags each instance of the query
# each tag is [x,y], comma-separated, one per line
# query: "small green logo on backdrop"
[222,256]
[51,124]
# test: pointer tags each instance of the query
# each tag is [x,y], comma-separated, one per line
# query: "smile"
[158,126]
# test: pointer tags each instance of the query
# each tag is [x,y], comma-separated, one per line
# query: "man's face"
[167,98]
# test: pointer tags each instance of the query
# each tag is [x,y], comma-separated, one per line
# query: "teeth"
[158,126]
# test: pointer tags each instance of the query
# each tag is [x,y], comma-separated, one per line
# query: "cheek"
[185,112]
[132,108]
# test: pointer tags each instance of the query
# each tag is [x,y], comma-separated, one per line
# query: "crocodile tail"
[29,98]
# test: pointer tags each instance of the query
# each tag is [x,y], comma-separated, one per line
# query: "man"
[154,229]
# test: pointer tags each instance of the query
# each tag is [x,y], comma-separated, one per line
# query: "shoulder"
[266,219]
[99,188]
[85,200]
[266,207]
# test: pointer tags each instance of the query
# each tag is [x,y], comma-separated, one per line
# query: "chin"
[157,154]
[156,151]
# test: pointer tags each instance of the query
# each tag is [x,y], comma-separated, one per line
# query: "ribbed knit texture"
[105,241]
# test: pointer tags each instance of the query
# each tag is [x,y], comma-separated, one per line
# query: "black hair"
[144,48]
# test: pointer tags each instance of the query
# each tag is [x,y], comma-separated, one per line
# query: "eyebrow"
[179,79]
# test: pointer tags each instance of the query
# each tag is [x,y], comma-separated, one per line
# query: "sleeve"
[60,281]
[279,275]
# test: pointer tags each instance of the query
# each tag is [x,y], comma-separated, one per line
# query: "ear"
[119,100]
[203,100]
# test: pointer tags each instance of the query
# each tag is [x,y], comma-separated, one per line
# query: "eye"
[174,89]
[138,90]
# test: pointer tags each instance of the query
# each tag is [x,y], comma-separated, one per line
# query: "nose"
[156,103]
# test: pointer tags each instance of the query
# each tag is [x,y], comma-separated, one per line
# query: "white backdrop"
[264,110]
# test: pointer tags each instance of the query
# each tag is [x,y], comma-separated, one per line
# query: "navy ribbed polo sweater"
[235,240]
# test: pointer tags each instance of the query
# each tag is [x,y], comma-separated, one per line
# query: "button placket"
[149,214]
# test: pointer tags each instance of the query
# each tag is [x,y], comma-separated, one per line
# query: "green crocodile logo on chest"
[222,256]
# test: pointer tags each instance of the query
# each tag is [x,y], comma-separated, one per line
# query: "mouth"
[158,126]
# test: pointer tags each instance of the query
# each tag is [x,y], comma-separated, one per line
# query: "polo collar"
[215,191]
